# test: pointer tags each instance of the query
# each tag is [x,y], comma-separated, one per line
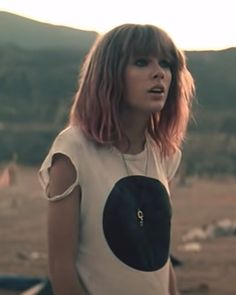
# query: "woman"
[107,174]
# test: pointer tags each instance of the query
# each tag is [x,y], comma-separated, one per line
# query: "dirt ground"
[202,201]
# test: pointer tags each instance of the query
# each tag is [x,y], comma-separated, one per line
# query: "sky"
[193,24]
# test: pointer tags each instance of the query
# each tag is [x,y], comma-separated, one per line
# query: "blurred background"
[42,47]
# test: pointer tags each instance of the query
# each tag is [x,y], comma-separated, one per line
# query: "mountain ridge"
[32,34]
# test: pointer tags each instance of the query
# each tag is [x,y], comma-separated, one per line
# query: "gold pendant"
[140,216]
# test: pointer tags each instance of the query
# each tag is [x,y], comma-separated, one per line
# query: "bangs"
[150,41]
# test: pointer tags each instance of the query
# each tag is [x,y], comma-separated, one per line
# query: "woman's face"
[147,83]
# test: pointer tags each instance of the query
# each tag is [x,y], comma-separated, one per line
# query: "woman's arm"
[63,220]
[173,290]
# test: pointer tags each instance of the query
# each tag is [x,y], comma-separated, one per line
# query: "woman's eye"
[141,62]
[165,64]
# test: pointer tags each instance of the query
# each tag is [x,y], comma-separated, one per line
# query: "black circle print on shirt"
[136,222]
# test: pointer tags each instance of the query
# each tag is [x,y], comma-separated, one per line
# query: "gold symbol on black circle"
[140,216]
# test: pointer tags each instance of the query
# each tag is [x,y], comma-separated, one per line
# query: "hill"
[214,73]
[30,34]
[46,79]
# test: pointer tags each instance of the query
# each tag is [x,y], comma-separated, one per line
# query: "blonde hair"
[97,103]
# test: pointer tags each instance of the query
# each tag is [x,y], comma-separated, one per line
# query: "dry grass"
[210,271]
[202,202]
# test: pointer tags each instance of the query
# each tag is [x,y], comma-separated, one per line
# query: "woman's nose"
[158,71]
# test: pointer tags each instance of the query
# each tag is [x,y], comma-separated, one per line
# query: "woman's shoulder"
[70,133]
[64,155]
[71,137]
[168,158]
[170,162]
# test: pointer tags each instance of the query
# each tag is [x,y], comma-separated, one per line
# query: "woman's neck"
[135,129]
[129,146]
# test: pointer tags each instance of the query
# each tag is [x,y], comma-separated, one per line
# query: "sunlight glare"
[192,24]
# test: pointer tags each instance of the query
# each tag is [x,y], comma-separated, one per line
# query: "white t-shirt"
[125,217]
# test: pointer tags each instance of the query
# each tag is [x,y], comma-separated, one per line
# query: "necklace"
[139,211]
